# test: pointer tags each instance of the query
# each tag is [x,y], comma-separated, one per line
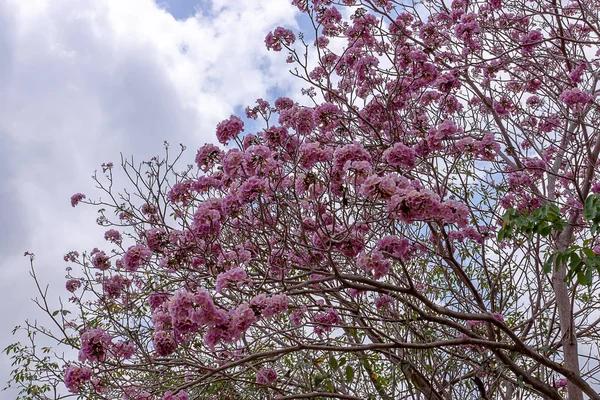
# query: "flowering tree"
[427,228]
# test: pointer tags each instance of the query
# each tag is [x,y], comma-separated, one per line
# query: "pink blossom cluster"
[576,98]
[384,302]
[235,276]
[229,129]
[185,313]
[207,156]
[123,350]
[71,256]
[157,239]
[329,17]
[181,193]
[396,247]
[269,306]
[280,36]
[263,108]
[374,263]
[207,219]
[100,260]
[114,285]
[76,198]
[468,232]
[135,256]
[400,156]
[530,41]
[72,285]
[327,116]
[300,119]
[95,344]
[135,392]
[266,376]
[324,322]
[76,376]
[561,383]
[378,187]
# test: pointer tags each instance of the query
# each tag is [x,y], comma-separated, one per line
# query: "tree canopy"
[425,226]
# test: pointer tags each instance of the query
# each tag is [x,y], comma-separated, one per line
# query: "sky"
[82,82]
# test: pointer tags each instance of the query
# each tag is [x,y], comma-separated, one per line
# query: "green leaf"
[318,379]
[349,373]
[581,277]
[333,363]
[590,209]
[588,253]
[588,276]
[550,263]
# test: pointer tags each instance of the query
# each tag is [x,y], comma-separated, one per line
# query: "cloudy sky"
[83,81]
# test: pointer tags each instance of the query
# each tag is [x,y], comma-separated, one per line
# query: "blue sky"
[180,9]
[82,82]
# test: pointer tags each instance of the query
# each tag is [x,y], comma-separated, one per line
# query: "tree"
[426,228]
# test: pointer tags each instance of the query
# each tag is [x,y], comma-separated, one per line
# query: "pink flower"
[468,27]
[234,162]
[275,39]
[112,235]
[283,103]
[181,307]
[454,212]
[156,239]
[396,247]
[240,320]
[325,321]
[400,156]
[413,205]
[94,345]
[235,276]
[344,156]
[327,116]
[576,98]
[114,285]
[76,376]
[135,256]
[269,306]
[473,323]
[156,299]
[107,166]
[76,198]
[530,41]
[266,376]
[251,190]
[207,156]
[561,383]
[384,302]
[181,193]
[207,220]
[229,129]
[164,343]
[71,256]
[101,261]
[124,350]
[312,153]
[73,284]
[134,392]
[301,119]
[374,263]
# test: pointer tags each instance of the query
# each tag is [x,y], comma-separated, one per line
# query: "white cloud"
[82,81]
